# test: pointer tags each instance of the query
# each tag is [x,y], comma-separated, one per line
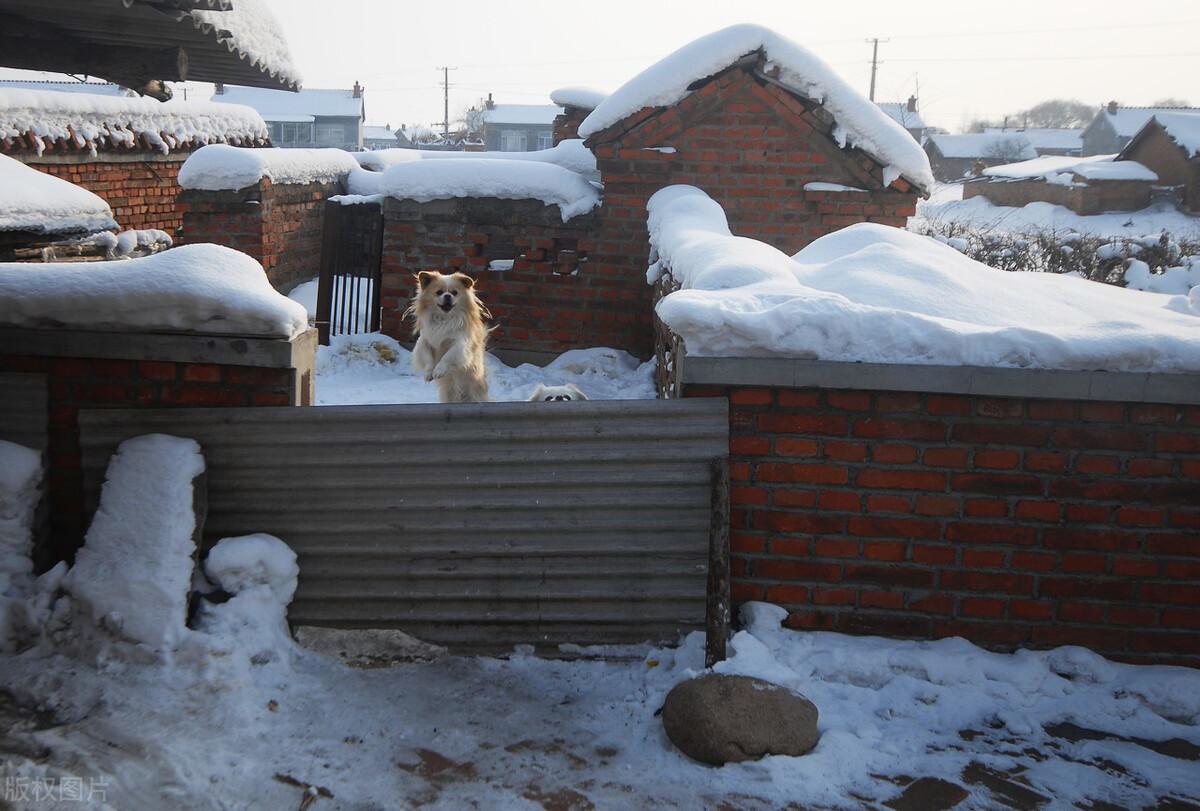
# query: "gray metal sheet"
[478,526]
[23,409]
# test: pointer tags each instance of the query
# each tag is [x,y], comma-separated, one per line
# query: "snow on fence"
[478,526]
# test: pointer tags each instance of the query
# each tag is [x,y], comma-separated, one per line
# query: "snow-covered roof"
[898,111]
[277,105]
[424,180]
[569,154]
[1184,129]
[194,288]
[35,201]
[1126,121]
[522,114]
[878,294]
[584,98]
[1044,137]
[228,168]
[1053,167]
[984,145]
[377,133]
[67,86]
[249,29]
[78,121]
[859,123]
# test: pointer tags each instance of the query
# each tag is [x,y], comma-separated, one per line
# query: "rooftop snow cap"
[582,98]
[859,123]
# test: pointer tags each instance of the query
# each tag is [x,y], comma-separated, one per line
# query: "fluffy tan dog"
[450,336]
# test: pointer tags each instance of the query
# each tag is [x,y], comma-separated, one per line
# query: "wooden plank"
[717,618]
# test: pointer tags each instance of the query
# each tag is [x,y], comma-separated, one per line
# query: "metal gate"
[348,298]
[478,525]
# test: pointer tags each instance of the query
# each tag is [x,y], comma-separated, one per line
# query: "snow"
[834,187]
[252,32]
[194,288]
[878,294]
[305,294]
[377,133]
[228,168]
[1175,281]
[898,111]
[522,114]
[84,121]
[135,568]
[1126,121]
[35,201]
[248,561]
[569,154]
[284,105]
[486,177]
[372,369]
[984,145]
[1184,129]
[584,98]
[1045,138]
[20,492]
[860,123]
[68,86]
[1095,167]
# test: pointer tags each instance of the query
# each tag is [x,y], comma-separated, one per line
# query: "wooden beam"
[717,611]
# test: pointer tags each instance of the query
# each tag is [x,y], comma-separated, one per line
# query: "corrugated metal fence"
[23,403]
[474,525]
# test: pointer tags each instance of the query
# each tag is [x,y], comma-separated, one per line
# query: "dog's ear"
[537,393]
[466,280]
[579,395]
[425,278]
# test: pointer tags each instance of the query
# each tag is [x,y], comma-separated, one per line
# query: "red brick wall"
[1011,522]
[1096,197]
[141,193]
[555,297]
[76,383]
[280,226]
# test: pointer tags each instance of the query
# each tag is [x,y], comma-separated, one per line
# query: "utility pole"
[446,101]
[874,61]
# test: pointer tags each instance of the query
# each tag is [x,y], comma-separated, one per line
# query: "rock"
[722,719]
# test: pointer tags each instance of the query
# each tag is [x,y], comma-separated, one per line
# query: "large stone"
[725,719]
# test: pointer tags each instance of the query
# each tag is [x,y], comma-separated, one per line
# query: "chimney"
[491,105]
[219,88]
[358,89]
[912,104]
[1112,108]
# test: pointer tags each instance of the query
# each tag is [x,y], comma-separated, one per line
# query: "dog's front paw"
[437,374]
[429,377]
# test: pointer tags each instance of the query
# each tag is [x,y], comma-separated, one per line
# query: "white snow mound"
[195,288]
[241,563]
[34,201]
[585,98]
[20,492]
[569,154]
[220,167]
[878,294]
[860,123]
[251,28]
[508,179]
[134,571]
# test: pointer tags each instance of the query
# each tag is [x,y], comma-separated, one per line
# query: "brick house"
[1114,126]
[1169,144]
[1065,141]
[954,157]
[905,114]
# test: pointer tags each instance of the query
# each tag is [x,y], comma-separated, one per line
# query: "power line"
[1077,58]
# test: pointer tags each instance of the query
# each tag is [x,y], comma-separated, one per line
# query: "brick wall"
[76,383]
[1096,197]
[566,123]
[279,225]
[1008,521]
[556,296]
[142,192]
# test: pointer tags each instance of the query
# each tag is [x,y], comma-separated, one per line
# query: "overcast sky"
[964,58]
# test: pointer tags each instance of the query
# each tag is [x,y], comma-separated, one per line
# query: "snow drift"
[35,201]
[220,167]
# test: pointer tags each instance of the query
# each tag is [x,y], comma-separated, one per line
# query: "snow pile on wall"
[220,167]
[570,154]
[1178,280]
[1059,169]
[20,492]
[859,122]
[134,571]
[86,121]
[195,288]
[508,179]
[34,201]
[252,31]
[585,98]
[878,294]
[248,561]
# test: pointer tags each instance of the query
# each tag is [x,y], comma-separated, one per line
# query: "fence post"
[716,620]
[330,228]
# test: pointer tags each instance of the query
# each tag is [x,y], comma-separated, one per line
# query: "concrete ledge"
[1050,384]
[232,350]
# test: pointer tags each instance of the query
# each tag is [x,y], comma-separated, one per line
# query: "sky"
[965,59]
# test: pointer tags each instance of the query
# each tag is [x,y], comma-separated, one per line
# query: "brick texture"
[1010,522]
[142,194]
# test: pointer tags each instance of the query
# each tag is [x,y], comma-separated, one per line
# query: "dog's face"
[445,292]
[550,394]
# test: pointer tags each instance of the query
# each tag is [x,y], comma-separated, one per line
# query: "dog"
[451,336]
[552,393]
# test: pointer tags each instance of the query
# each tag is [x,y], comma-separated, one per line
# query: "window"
[545,139]
[512,141]
[294,133]
[330,133]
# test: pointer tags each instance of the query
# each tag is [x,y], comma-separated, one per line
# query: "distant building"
[308,119]
[905,114]
[518,127]
[1114,126]
[1067,142]
[1169,144]
[953,157]
[376,137]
